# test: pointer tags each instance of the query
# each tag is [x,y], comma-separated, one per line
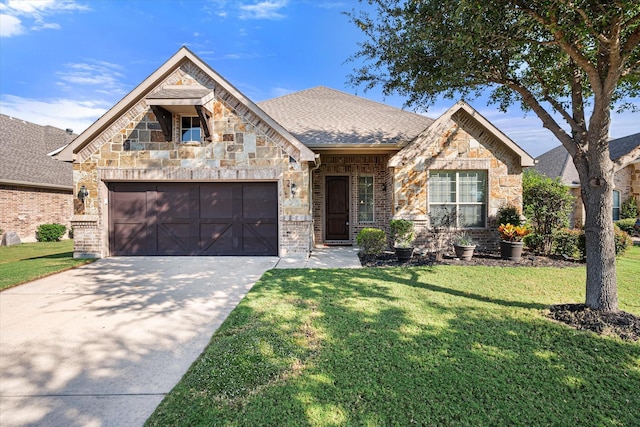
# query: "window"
[365,199]
[462,195]
[616,205]
[190,129]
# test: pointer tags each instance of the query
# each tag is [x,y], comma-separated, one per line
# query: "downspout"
[317,162]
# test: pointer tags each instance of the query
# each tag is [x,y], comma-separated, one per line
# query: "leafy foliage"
[512,233]
[627,225]
[402,232]
[50,232]
[508,214]
[622,240]
[629,208]
[547,205]
[371,240]
[569,242]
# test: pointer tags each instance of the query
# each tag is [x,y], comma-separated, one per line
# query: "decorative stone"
[10,238]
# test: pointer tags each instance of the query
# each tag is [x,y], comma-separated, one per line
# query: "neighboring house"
[35,189]
[185,164]
[558,163]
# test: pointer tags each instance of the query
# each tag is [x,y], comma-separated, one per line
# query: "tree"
[547,204]
[573,59]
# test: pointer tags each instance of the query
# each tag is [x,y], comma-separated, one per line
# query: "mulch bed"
[621,324]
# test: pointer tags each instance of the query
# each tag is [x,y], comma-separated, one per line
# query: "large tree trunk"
[597,182]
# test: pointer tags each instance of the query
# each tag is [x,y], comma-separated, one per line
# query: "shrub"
[50,232]
[401,232]
[534,242]
[625,225]
[569,242]
[508,214]
[372,241]
[547,204]
[629,208]
[623,241]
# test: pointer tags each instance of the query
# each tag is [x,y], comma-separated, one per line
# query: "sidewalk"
[325,257]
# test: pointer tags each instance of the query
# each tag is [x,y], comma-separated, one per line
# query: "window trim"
[373,199]
[457,203]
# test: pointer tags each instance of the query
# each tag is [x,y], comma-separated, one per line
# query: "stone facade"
[352,166]
[459,145]
[23,209]
[242,148]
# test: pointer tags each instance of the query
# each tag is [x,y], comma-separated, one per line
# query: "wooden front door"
[337,208]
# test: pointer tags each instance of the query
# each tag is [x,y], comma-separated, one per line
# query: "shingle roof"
[23,154]
[558,163]
[321,116]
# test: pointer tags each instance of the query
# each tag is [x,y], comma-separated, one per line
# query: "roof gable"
[24,159]
[152,88]
[322,117]
[467,117]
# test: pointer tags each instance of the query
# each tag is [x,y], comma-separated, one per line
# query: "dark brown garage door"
[193,219]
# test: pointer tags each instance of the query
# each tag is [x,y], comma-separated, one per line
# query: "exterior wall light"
[83,193]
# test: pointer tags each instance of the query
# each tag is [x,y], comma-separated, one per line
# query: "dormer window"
[190,130]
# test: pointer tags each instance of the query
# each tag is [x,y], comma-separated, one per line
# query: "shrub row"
[571,242]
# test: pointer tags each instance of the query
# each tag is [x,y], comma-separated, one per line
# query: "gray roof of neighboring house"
[24,149]
[322,117]
[558,163]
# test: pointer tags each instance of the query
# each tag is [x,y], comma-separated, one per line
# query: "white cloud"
[34,12]
[10,26]
[60,113]
[94,73]
[263,10]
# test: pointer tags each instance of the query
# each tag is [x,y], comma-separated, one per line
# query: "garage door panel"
[193,219]
[259,238]
[217,201]
[131,239]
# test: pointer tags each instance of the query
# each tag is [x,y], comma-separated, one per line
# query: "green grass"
[428,346]
[29,261]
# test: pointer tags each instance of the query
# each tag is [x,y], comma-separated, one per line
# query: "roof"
[557,162]
[145,88]
[322,117]
[24,159]
[466,114]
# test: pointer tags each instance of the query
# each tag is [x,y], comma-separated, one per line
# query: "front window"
[459,197]
[616,205]
[190,129]
[365,199]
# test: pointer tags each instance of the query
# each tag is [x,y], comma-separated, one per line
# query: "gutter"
[36,185]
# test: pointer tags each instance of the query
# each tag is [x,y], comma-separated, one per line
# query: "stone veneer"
[243,147]
[463,145]
[23,209]
[352,166]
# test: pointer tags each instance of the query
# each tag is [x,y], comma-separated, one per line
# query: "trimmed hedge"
[571,242]
[372,241]
[50,232]
[626,225]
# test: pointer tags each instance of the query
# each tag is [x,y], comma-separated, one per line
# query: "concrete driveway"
[102,344]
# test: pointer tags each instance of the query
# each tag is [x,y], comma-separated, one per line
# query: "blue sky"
[65,62]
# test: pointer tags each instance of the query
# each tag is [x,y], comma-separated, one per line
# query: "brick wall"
[23,209]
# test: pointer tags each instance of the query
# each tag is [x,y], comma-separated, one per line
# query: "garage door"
[193,219]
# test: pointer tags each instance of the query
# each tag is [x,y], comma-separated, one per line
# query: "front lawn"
[29,261]
[447,345]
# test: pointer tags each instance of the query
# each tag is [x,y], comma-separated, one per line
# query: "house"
[186,164]
[558,163]
[35,189]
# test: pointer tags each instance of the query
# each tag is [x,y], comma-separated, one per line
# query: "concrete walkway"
[101,345]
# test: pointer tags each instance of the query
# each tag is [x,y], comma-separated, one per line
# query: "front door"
[337,208]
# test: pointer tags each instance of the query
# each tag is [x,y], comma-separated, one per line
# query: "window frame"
[372,201]
[616,209]
[199,127]
[457,203]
